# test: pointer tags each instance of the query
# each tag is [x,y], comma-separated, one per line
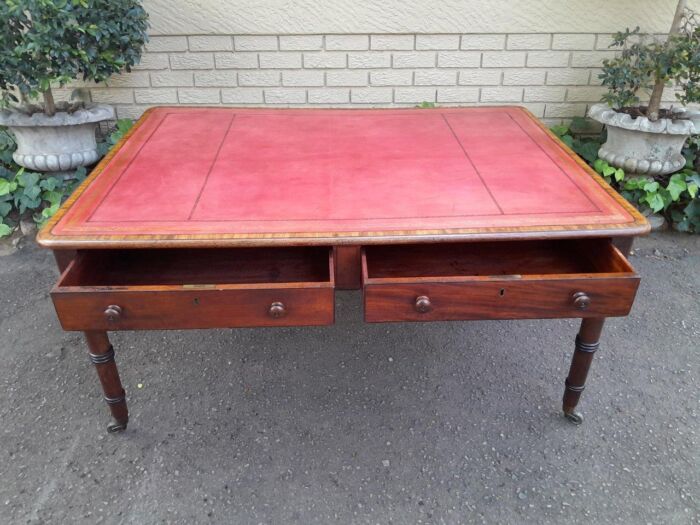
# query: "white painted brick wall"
[199,95]
[154,61]
[371,95]
[210,43]
[347,42]
[590,58]
[553,75]
[332,59]
[172,78]
[483,42]
[568,77]
[392,42]
[435,77]
[192,61]
[573,41]
[414,59]
[459,59]
[112,95]
[259,78]
[414,95]
[390,77]
[458,94]
[301,42]
[329,96]
[548,59]
[437,42]
[237,60]
[594,79]
[133,79]
[545,94]
[603,41]
[282,60]
[255,43]
[523,77]
[348,77]
[303,78]
[158,44]
[529,41]
[501,94]
[285,96]
[480,77]
[584,94]
[216,78]
[155,96]
[369,60]
[242,96]
[503,59]
[564,110]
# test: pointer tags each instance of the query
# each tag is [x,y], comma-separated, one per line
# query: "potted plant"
[47,43]
[648,139]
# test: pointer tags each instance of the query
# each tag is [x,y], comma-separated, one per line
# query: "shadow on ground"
[356,423]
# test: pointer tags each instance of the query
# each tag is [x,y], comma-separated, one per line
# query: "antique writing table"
[226,217]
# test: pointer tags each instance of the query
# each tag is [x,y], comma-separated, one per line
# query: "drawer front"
[173,308]
[500,299]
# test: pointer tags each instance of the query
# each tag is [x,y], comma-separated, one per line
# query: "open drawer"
[496,280]
[198,288]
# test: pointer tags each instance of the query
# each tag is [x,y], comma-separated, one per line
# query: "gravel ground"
[357,423]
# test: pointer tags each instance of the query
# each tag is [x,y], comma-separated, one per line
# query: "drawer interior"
[517,258]
[199,267]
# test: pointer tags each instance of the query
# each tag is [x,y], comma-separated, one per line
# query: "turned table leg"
[586,345]
[102,356]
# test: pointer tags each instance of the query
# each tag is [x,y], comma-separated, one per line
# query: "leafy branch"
[648,64]
[47,43]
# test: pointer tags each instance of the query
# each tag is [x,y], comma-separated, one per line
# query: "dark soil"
[63,106]
[641,111]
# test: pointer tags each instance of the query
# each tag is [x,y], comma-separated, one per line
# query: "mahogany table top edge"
[47,238]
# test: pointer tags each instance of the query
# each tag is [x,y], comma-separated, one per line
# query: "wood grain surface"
[517,280]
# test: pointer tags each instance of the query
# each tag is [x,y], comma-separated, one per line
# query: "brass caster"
[114,427]
[575,417]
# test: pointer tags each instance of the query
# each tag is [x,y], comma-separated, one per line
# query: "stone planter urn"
[640,146]
[62,142]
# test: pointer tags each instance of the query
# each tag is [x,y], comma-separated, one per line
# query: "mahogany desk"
[227,217]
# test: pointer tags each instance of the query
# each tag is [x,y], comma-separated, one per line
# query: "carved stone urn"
[640,146]
[61,142]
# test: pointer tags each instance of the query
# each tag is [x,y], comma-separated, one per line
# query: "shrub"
[646,63]
[51,42]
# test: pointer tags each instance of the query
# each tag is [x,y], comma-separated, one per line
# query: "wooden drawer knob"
[277,310]
[113,313]
[423,304]
[581,300]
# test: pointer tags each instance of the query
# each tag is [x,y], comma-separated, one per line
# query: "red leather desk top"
[281,176]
